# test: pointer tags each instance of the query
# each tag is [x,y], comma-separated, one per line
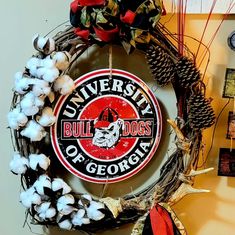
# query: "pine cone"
[160,64]
[187,72]
[201,113]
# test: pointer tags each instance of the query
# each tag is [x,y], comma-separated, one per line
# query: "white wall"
[212,213]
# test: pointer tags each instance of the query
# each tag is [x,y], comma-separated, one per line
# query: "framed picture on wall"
[231,126]
[229,84]
[226,165]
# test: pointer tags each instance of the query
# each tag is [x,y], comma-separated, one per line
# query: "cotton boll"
[78,218]
[50,213]
[37,161]
[64,204]
[33,62]
[47,63]
[16,118]
[51,97]
[47,118]
[43,44]
[40,72]
[45,211]
[59,185]
[93,211]
[30,197]
[64,84]
[41,87]
[33,131]
[21,83]
[43,184]
[62,59]
[19,164]
[51,74]
[33,65]
[65,224]
[30,104]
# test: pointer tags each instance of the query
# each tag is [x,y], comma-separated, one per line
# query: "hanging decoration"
[41,97]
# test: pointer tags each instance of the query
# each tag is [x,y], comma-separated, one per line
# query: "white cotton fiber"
[37,161]
[47,63]
[65,224]
[47,118]
[16,118]
[19,164]
[45,211]
[51,212]
[29,198]
[33,64]
[41,87]
[78,218]
[30,104]
[40,72]
[51,74]
[41,42]
[64,84]
[59,184]
[93,211]
[42,183]
[33,131]
[21,83]
[64,204]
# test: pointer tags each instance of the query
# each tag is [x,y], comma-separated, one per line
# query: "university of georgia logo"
[108,129]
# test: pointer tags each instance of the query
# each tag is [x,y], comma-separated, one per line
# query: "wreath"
[47,76]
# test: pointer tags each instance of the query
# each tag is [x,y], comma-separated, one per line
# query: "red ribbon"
[74,6]
[83,33]
[129,17]
[161,222]
[91,2]
[106,35]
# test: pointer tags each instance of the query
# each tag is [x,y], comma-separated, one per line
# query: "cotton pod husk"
[113,205]
[62,59]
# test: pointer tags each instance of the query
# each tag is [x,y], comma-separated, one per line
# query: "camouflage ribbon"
[127,21]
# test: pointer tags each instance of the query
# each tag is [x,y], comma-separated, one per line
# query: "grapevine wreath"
[47,77]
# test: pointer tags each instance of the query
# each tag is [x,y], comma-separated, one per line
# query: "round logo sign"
[108,129]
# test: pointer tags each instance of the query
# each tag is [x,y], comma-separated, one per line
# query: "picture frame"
[229,84]
[231,126]
[226,165]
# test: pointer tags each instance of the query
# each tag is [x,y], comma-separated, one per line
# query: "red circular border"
[149,156]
